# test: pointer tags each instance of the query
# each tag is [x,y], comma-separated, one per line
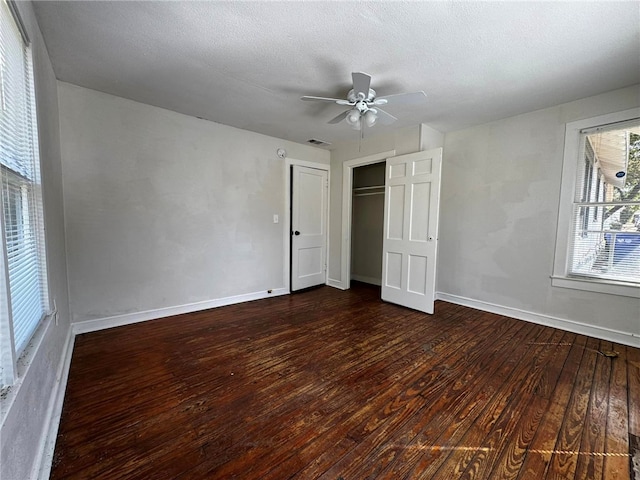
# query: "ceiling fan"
[365,106]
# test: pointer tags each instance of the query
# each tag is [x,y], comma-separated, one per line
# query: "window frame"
[29,195]
[564,235]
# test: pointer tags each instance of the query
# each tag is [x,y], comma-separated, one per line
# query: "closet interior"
[367,218]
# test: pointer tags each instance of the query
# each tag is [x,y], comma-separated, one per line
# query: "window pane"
[22,247]
[606,225]
[605,253]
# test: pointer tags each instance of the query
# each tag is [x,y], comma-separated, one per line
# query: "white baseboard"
[43,464]
[335,283]
[365,279]
[624,338]
[129,318]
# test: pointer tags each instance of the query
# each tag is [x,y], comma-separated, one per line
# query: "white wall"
[166,210]
[25,409]
[498,213]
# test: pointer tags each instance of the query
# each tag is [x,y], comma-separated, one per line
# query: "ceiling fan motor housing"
[353,98]
[362,106]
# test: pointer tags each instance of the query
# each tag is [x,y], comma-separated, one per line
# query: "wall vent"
[320,143]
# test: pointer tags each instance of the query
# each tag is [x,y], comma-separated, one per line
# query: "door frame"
[289,162]
[347,187]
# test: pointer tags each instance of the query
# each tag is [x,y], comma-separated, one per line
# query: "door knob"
[296,232]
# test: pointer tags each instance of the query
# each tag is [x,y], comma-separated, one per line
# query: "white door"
[412,194]
[308,227]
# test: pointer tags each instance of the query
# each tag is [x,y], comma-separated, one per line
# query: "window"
[23,286]
[598,242]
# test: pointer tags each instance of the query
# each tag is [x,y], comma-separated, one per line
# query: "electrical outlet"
[276,218]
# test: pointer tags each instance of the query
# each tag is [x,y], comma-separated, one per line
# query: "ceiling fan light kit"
[370,118]
[365,105]
[353,119]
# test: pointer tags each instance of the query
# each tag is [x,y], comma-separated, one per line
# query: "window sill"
[9,393]
[595,285]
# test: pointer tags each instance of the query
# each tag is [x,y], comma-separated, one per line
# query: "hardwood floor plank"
[633,376]
[448,410]
[511,459]
[329,384]
[543,444]
[633,392]
[436,446]
[616,465]
[413,361]
[564,460]
[405,409]
[437,424]
[591,461]
[352,383]
[461,449]
[499,420]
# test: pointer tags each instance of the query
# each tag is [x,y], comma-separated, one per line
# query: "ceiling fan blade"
[361,83]
[340,117]
[401,99]
[322,99]
[384,117]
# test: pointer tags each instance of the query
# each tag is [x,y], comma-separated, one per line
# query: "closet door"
[412,194]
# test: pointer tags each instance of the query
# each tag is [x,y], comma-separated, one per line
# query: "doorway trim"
[347,186]
[289,162]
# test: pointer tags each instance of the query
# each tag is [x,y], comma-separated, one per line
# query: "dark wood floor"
[331,384]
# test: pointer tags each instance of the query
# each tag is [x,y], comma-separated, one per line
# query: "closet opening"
[367,221]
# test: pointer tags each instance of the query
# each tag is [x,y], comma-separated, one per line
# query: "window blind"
[606,210]
[23,235]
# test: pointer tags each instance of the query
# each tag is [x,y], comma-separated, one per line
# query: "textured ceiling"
[246,64]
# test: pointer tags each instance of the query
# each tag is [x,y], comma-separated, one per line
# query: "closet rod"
[367,194]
